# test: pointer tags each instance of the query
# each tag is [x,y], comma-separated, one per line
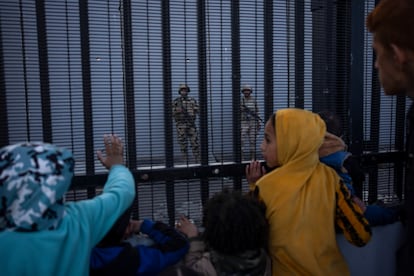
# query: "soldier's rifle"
[252,113]
[188,118]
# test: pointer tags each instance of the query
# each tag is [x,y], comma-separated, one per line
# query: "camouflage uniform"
[250,123]
[185,110]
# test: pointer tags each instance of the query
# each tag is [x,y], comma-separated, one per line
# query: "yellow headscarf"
[300,199]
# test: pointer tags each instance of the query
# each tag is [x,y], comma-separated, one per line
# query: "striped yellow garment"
[303,198]
[350,219]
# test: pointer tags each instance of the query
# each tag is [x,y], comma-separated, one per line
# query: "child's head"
[332,121]
[290,134]
[234,223]
[34,178]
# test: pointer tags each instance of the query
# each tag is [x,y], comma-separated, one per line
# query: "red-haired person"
[391,23]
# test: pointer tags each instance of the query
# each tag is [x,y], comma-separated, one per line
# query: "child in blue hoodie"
[333,153]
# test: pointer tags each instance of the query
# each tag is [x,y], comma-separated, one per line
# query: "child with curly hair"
[234,239]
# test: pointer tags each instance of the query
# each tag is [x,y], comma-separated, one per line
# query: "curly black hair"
[235,222]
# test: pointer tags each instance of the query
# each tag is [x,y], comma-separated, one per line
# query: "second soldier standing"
[250,122]
[185,110]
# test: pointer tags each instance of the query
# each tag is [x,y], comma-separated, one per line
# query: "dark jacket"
[409,180]
[405,255]
[124,259]
[375,214]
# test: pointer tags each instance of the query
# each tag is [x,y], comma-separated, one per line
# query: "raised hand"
[114,151]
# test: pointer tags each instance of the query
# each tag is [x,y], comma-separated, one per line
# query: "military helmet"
[183,85]
[246,87]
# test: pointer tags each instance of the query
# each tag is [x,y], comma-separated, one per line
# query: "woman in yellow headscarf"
[305,198]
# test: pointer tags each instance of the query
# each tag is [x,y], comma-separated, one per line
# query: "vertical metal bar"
[202,79]
[319,57]
[357,77]
[129,85]
[323,55]
[166,71]
[299,54]
[44,70]
[166,60]
[202,95]
[87,91]
[4,124]
[129,91]
[373,143]
[235,61]
[24,65]
[400,121]
[268,58]
[342,61]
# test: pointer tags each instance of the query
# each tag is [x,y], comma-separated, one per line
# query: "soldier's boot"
[185,156]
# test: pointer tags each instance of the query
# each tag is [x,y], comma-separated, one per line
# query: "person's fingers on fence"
[113,151]
[116,150]
[187,227]
[254,171]
[115,145]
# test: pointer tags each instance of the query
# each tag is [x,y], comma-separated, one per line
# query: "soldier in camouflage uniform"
[250,122]
[185,110]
